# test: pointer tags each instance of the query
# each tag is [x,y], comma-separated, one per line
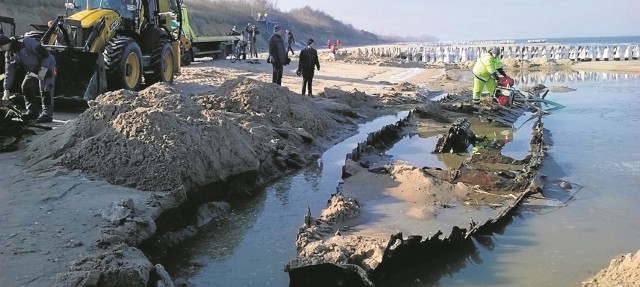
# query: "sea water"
[594,145]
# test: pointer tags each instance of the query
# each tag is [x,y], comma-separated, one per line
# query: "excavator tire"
[123,62]
[162,64]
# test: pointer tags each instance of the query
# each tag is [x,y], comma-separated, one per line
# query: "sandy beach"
[77,202]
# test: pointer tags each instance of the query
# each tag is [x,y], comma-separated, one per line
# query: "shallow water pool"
[595,141]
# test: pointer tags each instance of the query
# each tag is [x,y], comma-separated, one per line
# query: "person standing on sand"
[308,60]
[277,55]
[485,73]
[40,80]
[252,31]
[290,40]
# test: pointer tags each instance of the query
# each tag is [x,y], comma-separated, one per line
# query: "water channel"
[594,146]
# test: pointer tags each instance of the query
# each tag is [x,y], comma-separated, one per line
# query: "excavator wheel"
[187,58]
[123,62]
[161,65]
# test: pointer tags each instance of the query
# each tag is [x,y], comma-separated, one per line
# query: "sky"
[483,19]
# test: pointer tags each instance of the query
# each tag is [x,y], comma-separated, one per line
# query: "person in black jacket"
[277,54]
[308,60]
[290,41]
[40,80]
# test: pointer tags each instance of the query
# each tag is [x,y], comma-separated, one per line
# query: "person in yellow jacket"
[486,73]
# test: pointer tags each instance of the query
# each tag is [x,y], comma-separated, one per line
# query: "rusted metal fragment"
[386,200]
[12,128]
[457,139]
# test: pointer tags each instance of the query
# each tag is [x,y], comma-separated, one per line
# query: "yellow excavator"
[105,45]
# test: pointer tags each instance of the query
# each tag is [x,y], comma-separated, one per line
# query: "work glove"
[6,95]
[42,73]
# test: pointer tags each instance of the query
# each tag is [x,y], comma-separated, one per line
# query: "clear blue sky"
[483,19]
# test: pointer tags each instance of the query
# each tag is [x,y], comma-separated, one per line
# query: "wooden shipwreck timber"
[389,216]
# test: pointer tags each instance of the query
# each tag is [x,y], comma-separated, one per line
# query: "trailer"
[196,46]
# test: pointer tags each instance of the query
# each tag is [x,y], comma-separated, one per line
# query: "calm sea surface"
[574,41]
[610,40]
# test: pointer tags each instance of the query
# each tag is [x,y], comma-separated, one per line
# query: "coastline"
[632,66]
[48,189]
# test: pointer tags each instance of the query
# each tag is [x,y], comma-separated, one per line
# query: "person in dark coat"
[277,54]
[308,61]
[40,66]
[290,41]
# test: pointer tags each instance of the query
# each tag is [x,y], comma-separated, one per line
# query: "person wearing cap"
[486,73]
[308,60]
[40,67]
[277,54]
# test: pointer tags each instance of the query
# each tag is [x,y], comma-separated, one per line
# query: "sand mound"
[622,271]
[261,103]
[153,140]
[160,140]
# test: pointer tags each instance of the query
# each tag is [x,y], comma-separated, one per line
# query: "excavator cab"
[105,45]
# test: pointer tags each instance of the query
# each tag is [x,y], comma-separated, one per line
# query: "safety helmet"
[495,51]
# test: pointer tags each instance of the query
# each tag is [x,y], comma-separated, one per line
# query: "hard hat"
[495,51]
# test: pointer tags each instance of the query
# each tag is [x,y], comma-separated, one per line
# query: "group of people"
[39,66]
[279,57]
[248,39]
[333,47]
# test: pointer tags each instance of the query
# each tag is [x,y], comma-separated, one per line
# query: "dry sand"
[73,208]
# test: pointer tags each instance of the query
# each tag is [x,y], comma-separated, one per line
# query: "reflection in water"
[568,76]
[217,241]
[543,77]
[252,246]
[430,273]
[417,149]
[594,221]
[313,174]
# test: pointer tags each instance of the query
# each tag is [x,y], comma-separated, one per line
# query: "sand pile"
[160,140]
[156,139]
[260,103]
[622,271]
[352,249]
